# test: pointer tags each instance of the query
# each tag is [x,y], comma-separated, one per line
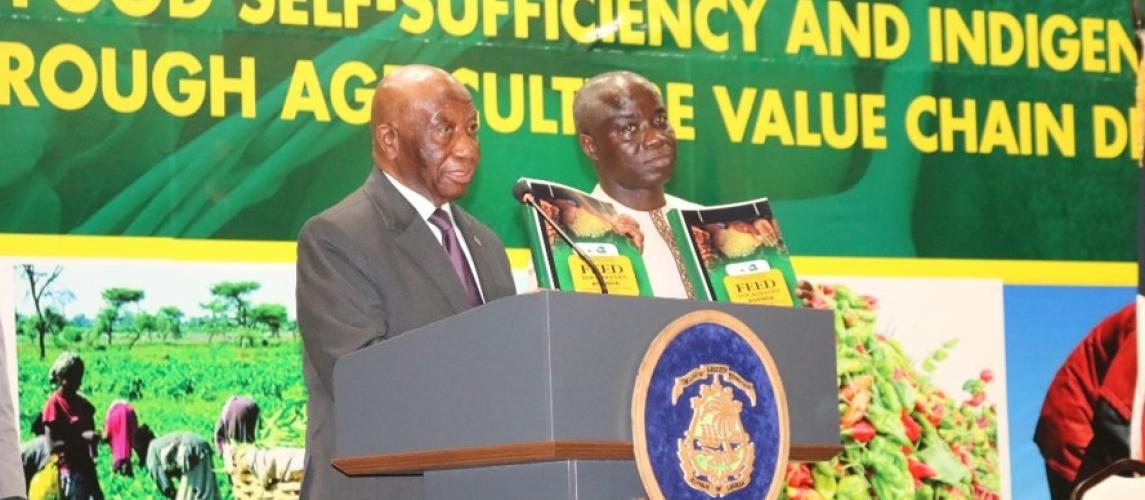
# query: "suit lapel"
[413,236]
[422,248]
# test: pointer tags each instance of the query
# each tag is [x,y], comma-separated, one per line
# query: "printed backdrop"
[975,131]
[995,129]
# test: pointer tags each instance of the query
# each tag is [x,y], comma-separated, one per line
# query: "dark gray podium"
[529,396]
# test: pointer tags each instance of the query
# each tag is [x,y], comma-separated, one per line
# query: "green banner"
[996,129]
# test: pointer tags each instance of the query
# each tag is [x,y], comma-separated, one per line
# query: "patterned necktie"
[661,225]
[456,256]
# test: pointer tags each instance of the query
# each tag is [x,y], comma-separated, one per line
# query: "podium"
[529,396]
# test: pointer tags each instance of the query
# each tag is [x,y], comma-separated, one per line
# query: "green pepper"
[853,487]
[907,394]
[887,396]
[892,485]
[888,424]
[850,366]
[825,483]
[891,478]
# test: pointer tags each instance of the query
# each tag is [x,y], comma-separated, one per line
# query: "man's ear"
[386,137]
[588,145]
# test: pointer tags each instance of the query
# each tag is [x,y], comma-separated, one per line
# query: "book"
[735,253]
[610,239]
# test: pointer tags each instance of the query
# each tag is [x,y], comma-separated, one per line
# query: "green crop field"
[176,386]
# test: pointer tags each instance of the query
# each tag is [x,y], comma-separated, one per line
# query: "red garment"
[1103,365]
[119,426]
[68,417]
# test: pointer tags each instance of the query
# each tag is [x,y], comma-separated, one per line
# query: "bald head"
[407,86]
[424,131]
[602,95]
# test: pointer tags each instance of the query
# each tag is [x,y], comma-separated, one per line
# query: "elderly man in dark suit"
[394,255]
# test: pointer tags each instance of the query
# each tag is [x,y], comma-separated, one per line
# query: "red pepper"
[862,431]
[986,375]
[977,399]
[850,319]
[935,415]
[913,430]
[962,455]
[981,493]
[799,476]
[920,470]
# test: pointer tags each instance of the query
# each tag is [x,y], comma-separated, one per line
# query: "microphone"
[522,192]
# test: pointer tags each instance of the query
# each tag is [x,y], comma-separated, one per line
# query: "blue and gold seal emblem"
[709,415]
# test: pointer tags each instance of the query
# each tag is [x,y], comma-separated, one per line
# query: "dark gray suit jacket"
[369,268]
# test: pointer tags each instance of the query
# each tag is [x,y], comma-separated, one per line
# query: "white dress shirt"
[425,209]
[663,274]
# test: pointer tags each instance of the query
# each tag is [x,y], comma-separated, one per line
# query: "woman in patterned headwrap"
[69,425]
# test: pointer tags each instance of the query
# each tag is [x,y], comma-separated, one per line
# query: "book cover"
[735,253]
[613,241]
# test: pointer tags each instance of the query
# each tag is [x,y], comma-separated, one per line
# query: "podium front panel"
[553,366]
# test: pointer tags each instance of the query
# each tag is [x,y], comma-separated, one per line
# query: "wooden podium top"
[519,453]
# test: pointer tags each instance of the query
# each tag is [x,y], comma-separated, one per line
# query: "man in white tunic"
[623,128]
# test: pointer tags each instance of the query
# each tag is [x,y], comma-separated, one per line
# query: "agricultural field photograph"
[158,380]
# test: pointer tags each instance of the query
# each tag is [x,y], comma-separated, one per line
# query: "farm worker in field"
[397,254]
[120,425]
[180,464]
[69,425]
[269,466]
[622,126]
[238,423]
[35,453]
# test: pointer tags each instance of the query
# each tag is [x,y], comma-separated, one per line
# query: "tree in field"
[54,320]
[40,291]
[26,325]
[143,323]
[115,298]
[236,296]
[273,316]
[217,321]
[171,321]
